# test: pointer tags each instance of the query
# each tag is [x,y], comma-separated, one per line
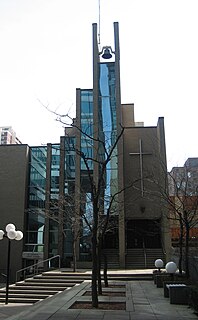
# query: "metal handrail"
[36,264]
[163,248]
[145,258]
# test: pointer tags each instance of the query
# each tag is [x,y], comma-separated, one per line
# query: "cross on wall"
[140,154]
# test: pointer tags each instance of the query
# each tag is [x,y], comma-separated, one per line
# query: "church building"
[46,190]
[136,170]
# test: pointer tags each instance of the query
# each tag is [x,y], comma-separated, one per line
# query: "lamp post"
[11,234]
[171,268]
[159,264]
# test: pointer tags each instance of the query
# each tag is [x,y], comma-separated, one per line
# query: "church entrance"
[143,233]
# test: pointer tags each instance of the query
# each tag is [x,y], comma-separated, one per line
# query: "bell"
[107,54]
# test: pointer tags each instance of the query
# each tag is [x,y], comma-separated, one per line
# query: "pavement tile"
[144,301]
[90,315]
[141,301]
[117,316]
[142,316]
[143,308]
[129,305]
[66,315]
[173,317]
[187,313]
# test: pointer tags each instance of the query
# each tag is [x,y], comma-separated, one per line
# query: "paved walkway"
[143,301]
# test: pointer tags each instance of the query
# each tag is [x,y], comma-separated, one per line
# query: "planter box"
[157,273]
[178,293]
[160,278]
[166,290]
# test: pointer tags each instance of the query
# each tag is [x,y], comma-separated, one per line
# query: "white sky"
[46,53]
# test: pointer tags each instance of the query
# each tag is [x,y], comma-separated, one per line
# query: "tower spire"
[98,21]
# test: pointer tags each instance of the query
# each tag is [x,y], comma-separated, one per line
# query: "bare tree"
[97,193]
[180,198]
[184,212]
[103,203]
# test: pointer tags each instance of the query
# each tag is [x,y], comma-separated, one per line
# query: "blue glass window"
[108,127]
[87,128]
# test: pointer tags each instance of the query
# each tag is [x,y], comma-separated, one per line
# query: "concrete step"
[39,287]
[42,286]
[46,280]
[152,255]
[135,258]
[49,284]
[25,295]
[16,290]
[72,276]
[57,278]
[20,300]
[130,277]
[113,276]
[56,281]
[53,286]
[112,256]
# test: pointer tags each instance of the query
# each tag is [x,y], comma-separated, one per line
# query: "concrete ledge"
[160,278]
[166,290]
[178,293]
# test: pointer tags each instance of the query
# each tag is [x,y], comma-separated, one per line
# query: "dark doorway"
[140,233]
[111,237]
[111,240]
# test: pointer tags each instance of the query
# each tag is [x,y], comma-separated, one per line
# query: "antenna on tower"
[98,21]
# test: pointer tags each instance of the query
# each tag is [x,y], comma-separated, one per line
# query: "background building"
[183,190]
[14,171]
[8,136]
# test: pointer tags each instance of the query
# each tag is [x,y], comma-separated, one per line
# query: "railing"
[34,268]
[144,250]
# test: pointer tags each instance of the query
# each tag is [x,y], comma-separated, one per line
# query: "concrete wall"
[13,188]
[128,119]
[141,178]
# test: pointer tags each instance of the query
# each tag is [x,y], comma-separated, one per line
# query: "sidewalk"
[143,302]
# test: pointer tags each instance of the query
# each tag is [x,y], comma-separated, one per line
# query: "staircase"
[135,259]
[50,283]
[112,256]
[39,287]
[138,259]
[152,255]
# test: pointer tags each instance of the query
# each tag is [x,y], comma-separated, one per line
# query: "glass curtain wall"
[107,133]
[54,199]
[37,197]
[86,168]
[69,194]
[87,129]
[108,130]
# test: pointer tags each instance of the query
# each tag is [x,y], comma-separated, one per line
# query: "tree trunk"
[94,258]
[94,272]
[99,268]
[187,251]
[74,256]
[181,247]
[105,271]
